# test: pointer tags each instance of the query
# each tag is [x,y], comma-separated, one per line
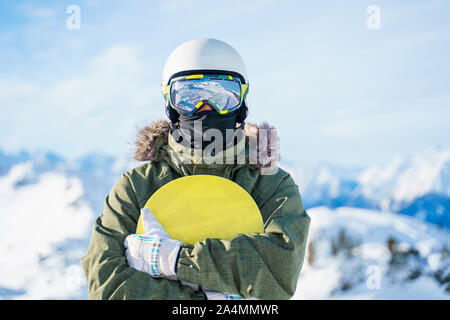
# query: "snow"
[408,179]
[47,210]
[37,219]
[417,186]
[369,256]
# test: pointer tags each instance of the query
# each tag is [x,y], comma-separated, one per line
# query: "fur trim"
[146,146]
[150,138]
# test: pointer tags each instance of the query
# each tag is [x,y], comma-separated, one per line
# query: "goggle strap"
[244,89]
[198,105]
[195,76]
[165,90]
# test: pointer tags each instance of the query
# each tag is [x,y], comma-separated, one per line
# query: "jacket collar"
[154,142]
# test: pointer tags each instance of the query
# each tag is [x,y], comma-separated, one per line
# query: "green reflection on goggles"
[168,90]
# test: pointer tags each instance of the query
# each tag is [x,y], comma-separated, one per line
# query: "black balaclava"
[209,119]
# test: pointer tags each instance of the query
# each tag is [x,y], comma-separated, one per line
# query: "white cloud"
[173,5]
[96,108]
[41,13]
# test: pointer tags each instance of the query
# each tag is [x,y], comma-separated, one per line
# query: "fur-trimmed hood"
[152,137]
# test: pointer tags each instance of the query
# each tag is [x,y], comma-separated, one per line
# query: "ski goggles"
[224,93]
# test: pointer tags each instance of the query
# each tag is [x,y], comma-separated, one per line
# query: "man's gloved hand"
[153,252]
[216,295]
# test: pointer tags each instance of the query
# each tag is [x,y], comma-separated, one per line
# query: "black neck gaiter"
[195,125]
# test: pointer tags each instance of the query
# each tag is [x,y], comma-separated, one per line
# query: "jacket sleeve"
[105,265]
[261,265]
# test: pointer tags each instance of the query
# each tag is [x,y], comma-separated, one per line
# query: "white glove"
[153,252]
[216,295]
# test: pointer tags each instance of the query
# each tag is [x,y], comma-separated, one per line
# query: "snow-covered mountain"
[48,205]
[47,209]
[365,254]
[419,186]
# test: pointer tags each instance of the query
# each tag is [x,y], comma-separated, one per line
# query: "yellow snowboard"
[197,207]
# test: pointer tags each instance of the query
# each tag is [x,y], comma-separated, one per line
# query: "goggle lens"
[224,93]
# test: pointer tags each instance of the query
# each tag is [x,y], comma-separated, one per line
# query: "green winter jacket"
[265,265]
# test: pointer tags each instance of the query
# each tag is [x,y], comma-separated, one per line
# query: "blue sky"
[337,91]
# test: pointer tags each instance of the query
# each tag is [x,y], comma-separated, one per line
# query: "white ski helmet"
[204,54]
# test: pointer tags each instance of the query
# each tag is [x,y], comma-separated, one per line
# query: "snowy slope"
[419,186]
[47,209]
[365,254]
[406,180]
[44,230]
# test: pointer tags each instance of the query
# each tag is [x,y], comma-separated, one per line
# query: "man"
[205,84]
